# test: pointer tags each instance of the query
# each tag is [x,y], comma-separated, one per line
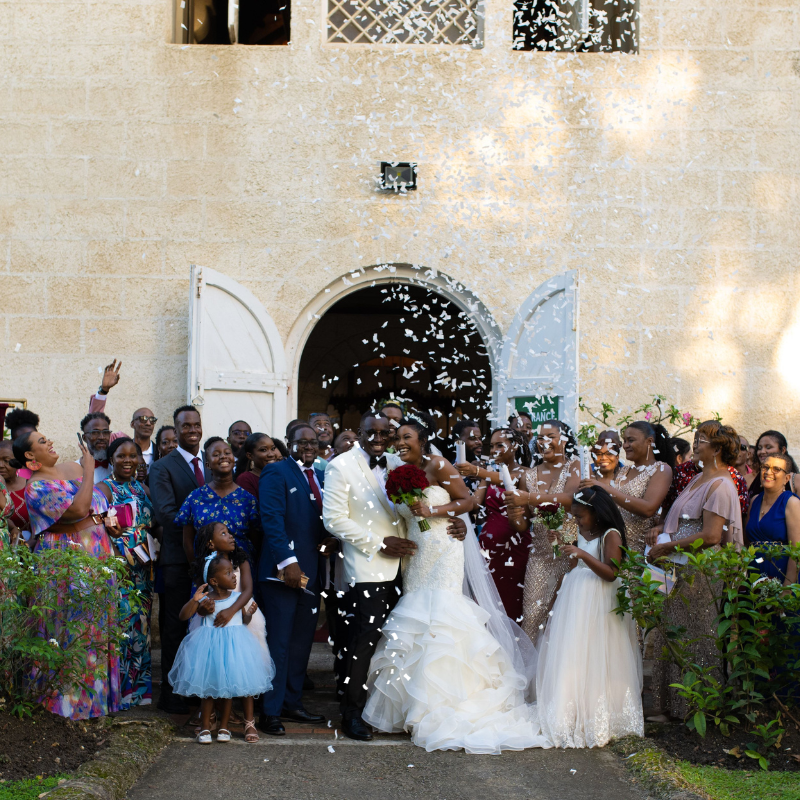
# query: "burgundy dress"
[508,552]
[249,482]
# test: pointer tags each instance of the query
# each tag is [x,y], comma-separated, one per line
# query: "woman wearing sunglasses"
[774,517]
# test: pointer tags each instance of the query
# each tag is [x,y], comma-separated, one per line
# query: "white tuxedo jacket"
[357,511]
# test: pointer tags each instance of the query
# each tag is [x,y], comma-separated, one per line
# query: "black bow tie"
[374,461]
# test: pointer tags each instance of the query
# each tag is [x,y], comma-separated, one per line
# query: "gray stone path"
[301,767]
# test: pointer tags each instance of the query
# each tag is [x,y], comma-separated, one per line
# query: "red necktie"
[198,473]
[313,484]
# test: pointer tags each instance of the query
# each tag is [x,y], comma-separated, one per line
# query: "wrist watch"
[101,390]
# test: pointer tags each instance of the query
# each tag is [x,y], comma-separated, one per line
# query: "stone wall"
[670,179]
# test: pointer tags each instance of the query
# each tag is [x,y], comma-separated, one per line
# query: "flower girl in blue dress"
[219,662]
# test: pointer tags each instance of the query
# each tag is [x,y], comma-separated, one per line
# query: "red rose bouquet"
[405,485]
[551,515]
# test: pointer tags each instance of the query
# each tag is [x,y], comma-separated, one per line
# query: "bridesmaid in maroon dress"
[257,451]
[505,538]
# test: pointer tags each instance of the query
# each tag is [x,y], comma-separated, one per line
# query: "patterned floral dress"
[136,681]
[5,513]
[47,500]
[238,510]
[543,571]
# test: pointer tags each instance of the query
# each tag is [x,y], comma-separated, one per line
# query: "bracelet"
[101,391]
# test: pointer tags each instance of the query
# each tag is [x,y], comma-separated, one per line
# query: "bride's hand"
[421,509]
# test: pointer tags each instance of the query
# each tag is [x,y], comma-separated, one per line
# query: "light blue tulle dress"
[221,662]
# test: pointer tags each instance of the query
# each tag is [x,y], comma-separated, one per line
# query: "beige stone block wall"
[668,179]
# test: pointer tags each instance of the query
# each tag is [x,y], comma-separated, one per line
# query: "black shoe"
[271,725]
[357,729]
[174,705]
[301,715]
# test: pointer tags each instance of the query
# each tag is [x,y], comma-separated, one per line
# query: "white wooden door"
[237,367]
[539,354]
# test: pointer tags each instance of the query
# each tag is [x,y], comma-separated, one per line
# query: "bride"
[451,667]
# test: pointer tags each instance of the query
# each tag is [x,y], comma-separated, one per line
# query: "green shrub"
[757,635]
[50,602]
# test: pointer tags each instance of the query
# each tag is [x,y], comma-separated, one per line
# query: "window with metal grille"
[406,22]
[580,26]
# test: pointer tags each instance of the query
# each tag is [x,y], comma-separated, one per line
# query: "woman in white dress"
[453,671]
[589,677]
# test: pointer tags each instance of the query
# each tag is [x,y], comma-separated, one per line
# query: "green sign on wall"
[540,408]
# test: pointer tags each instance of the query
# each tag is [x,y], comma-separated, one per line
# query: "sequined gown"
[543,571]
[437,671]
[635,485]
[589,681]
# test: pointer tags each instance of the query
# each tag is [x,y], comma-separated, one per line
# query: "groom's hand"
[395,547]
[457,528]
[292,574]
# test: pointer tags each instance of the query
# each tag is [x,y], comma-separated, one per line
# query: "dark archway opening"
[395,342]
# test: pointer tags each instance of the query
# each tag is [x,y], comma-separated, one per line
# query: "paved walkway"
[300,766]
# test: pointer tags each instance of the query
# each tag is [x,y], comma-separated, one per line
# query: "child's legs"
[206,707]
[247,707]
[225,712]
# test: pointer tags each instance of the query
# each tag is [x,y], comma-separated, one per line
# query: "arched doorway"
[395,341]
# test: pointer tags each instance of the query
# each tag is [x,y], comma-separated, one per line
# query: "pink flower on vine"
[648,416]
[687,418]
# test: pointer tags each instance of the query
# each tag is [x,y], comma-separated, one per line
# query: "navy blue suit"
[292,525]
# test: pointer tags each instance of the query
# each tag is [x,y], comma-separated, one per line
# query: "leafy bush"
[757,636]
[657,411]
[50,605]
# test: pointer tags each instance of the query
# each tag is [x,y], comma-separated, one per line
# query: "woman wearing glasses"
[775,517]
[554,479]
[773,443]
[707,511]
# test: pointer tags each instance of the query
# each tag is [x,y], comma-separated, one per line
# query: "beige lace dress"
[543,571]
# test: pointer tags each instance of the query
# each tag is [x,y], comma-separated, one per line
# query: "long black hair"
[204,537]
[249,444]
[662,442]
[606,512]
[19,447]
[570,445]
[522,452]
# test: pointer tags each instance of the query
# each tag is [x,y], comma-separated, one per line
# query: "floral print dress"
[238,510]
[136,680]
[47,500]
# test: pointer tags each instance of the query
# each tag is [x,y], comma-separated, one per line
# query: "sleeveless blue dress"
[770,529]
[221,662]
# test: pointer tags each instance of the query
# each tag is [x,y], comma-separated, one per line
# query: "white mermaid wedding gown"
[438,672]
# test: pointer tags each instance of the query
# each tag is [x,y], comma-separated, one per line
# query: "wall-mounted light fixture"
[399,176]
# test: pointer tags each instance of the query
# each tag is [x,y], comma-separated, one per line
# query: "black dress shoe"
[357,729]
[174,705]
[271,725]
[301,715]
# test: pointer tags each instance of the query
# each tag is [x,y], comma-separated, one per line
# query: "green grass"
[28,789]
[723,784]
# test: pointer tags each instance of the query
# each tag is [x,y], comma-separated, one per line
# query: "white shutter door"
[237,367]
[539,356]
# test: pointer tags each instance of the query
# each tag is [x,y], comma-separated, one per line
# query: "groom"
[357,510]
